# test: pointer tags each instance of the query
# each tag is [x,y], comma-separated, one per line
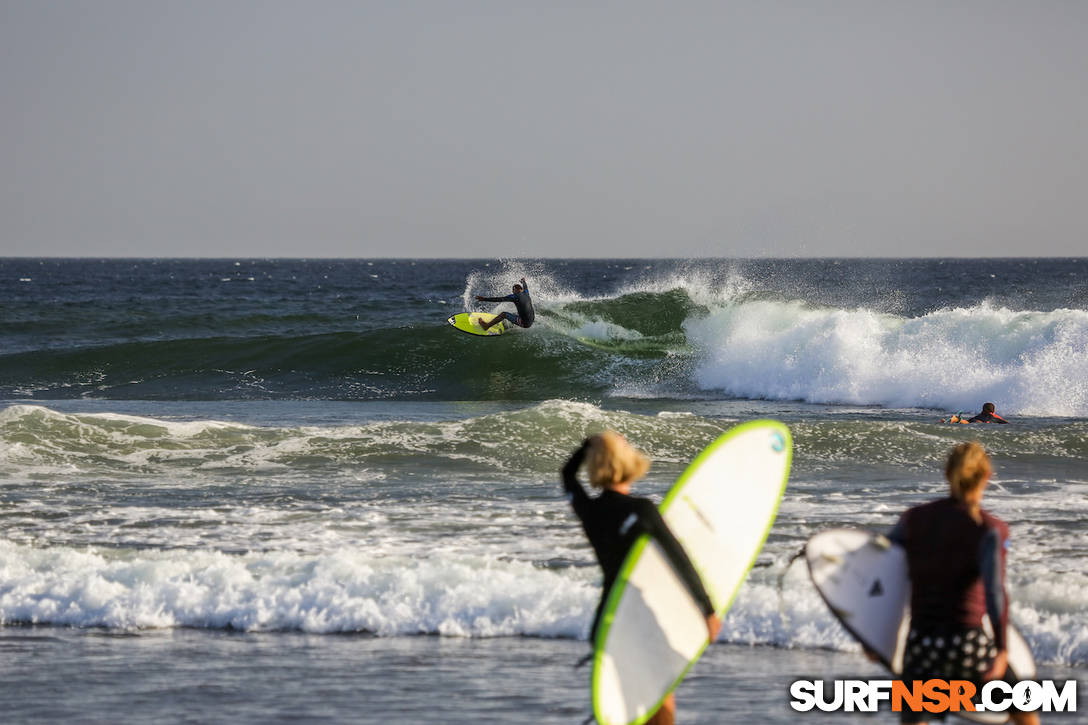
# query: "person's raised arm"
[575,492]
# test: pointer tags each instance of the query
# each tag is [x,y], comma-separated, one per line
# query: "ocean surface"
[256,491]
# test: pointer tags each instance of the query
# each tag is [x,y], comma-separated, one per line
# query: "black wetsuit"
[987,417]
[613,521]
[524,304]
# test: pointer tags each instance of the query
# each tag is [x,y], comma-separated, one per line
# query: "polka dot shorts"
[956,655]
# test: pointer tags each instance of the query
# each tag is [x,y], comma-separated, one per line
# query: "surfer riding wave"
[522,301]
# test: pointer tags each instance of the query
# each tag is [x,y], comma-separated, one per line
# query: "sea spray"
[1031,363]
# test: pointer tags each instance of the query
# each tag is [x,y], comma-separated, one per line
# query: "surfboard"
[720,509]
[863,580]
[469,322]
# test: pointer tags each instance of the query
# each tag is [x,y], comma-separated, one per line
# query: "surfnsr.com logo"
[934,696]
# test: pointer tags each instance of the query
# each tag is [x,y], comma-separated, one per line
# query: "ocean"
[256,491]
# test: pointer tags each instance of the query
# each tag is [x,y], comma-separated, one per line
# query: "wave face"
[927,333]
[38,442]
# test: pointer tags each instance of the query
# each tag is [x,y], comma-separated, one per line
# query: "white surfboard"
[863,580]
[721,509]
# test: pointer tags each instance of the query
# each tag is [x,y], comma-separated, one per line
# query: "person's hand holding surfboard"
[713,626]
[998,666]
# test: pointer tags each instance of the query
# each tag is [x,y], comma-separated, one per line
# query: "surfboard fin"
[782,581]
[881,541]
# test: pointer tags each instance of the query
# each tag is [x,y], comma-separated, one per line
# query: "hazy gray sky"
[445,128]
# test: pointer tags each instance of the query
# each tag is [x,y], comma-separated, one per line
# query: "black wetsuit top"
[522,301]
[985,417]
[613,522]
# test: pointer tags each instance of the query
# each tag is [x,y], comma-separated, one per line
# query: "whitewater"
[284,556]
[744,341]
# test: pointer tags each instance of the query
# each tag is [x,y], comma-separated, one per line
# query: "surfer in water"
[614,520]
[956,563]
[522,301]
[988,415]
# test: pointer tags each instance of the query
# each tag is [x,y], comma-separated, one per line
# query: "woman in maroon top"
[956,562]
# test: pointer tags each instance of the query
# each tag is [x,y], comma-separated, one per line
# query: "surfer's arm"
[993,583]
[507,298]
[575,492]
[658,529]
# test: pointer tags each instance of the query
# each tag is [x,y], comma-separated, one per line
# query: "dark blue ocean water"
[365,330]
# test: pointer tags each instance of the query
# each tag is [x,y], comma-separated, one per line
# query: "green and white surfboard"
[470,322]
[721,510]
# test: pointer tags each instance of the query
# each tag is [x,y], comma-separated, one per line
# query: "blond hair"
[611,460]
[968,466]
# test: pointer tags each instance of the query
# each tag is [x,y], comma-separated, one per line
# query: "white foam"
[347,591]
[796,617]
[458,596]
[341,563]
[1029,363]
[123,427]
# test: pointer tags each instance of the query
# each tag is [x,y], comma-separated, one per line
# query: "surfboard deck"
[864,582]
[721,510]
[469,322]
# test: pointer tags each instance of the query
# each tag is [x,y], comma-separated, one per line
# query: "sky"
[268,128]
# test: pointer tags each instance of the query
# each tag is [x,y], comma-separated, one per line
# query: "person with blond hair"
[956,564]
[615,519]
